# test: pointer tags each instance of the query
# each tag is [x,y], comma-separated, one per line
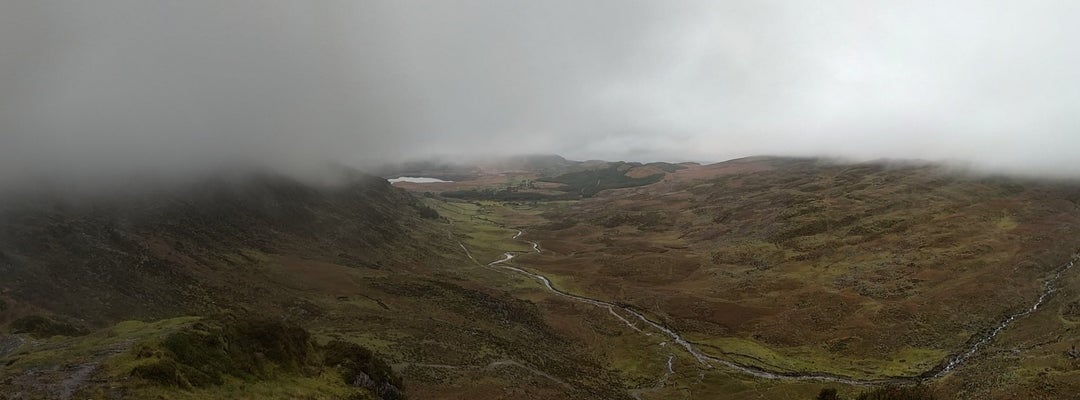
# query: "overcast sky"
[103,88]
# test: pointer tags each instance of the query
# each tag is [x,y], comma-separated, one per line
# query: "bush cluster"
[918,392]
[209,351]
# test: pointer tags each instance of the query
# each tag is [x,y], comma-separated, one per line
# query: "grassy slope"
[355,264]
[793,264]
[863,270]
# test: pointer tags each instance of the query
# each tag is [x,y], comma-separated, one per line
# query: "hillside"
[764,277]
[120,296]
[871,272]
[154,255]
[867,271]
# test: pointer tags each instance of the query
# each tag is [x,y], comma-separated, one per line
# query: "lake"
[413,179]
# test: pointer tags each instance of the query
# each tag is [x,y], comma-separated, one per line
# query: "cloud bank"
[103,89]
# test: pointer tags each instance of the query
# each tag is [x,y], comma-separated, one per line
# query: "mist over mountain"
[599,199]
[93,91]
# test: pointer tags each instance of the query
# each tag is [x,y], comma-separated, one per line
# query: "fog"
[108,89]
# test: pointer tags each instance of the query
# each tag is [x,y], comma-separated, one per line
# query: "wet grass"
[60,350]
[906,362]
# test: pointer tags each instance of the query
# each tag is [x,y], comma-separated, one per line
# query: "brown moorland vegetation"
[864,270]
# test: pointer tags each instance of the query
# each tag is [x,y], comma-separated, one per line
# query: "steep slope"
[354,262]
[160,254]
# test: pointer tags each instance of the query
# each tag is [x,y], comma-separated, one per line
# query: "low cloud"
[106,89]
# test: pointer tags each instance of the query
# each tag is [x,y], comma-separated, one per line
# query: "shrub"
[828,394]
[425,211]
[918,392]
[207,352]
[352,359]
[202,355]
[162,372]
[885,392]
[898,393]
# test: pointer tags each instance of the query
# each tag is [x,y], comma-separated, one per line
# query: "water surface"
[416,179]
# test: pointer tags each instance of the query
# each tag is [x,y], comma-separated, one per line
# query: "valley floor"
[754,279]
[629,255]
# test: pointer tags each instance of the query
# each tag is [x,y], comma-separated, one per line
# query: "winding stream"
[1048,289]
[709,361]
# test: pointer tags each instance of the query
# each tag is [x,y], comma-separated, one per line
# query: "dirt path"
[492,365]
[64,381]
[502,363]
[709,361]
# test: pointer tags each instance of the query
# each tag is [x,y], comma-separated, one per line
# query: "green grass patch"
[905,362]
[219,355]
[59,350]
[590,182]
